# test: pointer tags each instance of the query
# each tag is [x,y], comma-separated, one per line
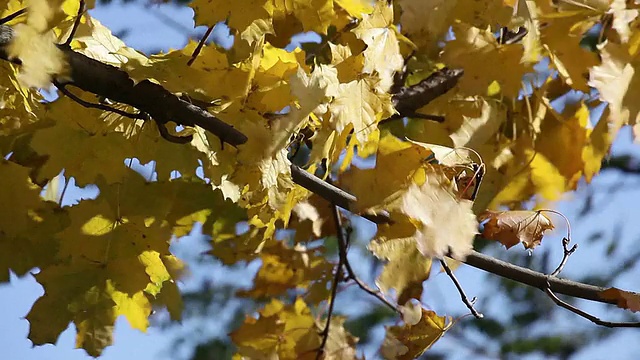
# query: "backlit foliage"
[332,101]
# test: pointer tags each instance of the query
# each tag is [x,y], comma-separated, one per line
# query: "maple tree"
[434,92]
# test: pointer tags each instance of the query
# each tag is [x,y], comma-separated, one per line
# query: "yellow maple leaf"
[396,163]
[359,107]
[472,49]
[426,22]
[410,341]
[33,44]
[287,331]
[355,8]
[532,174]
[240,14]
[561,37]
[26,226]
[315,15]
[97,42]
[382,54]
[445,223]
[406,267]
[285,268]
[24,197]
[84,154]
[617,84]
[83,293]
[121,249]
[569,143]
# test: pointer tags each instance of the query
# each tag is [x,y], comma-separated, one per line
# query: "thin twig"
[508,37]
[162,128]
[64,191]
[12,16]
[332,299]
[463,295]
[76,23]
[436,118]
[565,257]
[342,250]
[586,315]
[198,48]
[63,89]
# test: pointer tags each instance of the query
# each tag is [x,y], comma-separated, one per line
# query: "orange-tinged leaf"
[625,299]
[513,227]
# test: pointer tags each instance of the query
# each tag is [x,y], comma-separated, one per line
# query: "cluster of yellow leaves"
[110,256]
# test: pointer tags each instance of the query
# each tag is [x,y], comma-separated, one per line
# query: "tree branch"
[463,295]
[334,292]
[110,82]
[409,99]
[586,315]
[351,275]
[535,279]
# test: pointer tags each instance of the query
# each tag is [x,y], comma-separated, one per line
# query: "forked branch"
[463,296]
[351,275]
[163,106]
[586,315]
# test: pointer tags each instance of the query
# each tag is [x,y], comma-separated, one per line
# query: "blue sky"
[153,31]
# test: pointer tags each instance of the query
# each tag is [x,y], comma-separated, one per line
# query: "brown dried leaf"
[626,299]
[513,227]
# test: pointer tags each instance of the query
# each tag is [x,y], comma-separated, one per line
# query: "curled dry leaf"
[625,299]
[513,227]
